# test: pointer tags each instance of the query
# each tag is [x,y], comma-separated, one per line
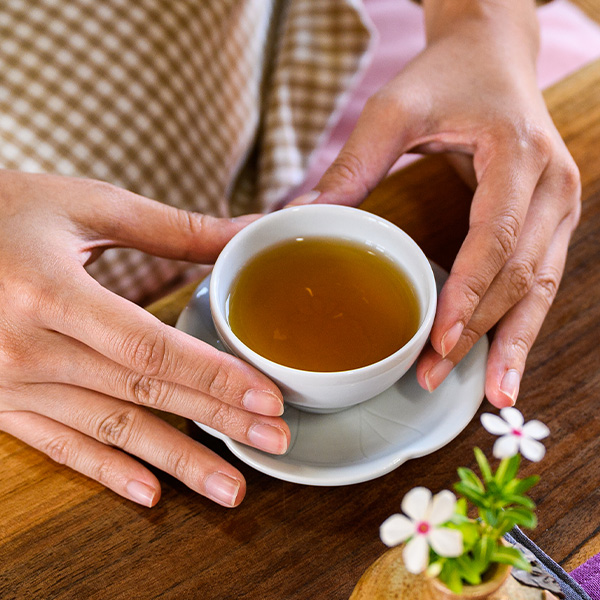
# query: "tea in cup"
[332,303]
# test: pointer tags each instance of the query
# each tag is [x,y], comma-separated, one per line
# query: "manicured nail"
[268,438]
[451,337]
[141,493]
[263,403]
[222,489]
[438,373]
[510,385]
[305,198]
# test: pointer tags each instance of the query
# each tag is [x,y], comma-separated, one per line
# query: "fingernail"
[141,493]
[305,198]
[451,337]
[510,385]
[222,489]
[263,402]
[268,438]
[438,373]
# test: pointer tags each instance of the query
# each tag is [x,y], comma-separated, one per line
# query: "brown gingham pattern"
[208,105]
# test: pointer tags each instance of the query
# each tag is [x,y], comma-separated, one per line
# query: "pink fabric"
[569,39]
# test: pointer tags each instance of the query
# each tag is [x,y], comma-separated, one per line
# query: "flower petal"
[446,542]
[506,446]
[512,416]
[532,449]
[416,503]
[416,555]
[536,430]
[395,529]
[442,507]
[494,424]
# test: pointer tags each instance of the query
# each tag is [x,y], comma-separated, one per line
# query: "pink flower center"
[517,432]
[423,528]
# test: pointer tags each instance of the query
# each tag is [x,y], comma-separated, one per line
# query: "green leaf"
[461,507]
[454,581]
[518,499]
[484,465]
[491,517]
[468,570]
[521,516]
[507,470]
[450,577]
[472,494]
[468,477]
[483,550]
[470,533]
[520,486]
[510,556]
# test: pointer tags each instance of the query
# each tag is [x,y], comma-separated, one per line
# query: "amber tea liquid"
[323,305]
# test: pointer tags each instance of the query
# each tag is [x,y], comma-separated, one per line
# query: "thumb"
[120,218]
[373,147]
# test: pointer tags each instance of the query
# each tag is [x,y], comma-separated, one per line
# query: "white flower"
[516,436]
[422,526]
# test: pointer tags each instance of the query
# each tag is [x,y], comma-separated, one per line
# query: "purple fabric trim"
[588,576]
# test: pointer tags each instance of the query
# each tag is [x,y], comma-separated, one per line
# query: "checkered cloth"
[208,105]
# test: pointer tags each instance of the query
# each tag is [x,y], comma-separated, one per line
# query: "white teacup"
[326,391]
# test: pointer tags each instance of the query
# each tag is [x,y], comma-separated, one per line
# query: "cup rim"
[370,370]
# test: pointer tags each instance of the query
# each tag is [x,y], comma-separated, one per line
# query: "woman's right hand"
[79,365]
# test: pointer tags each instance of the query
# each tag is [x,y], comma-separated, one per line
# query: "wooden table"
[64,537]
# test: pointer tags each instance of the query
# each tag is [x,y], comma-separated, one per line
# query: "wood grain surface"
[64,537]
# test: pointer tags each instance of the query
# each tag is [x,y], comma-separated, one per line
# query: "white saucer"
[368,440]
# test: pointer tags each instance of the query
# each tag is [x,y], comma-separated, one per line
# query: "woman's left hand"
[473,91]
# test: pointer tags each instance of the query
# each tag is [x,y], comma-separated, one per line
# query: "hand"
[79,365]
[473,92]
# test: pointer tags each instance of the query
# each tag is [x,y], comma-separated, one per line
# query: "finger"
[60,359]
[96,414]
[112,216]
[516,277]
[131,337]
[518,330]
[140,433]
[498,212]
[384,131]
[523,321]
[108,466]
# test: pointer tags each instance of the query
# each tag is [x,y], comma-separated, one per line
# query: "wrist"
[511,24]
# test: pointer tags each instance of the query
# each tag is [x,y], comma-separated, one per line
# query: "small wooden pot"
[388,579]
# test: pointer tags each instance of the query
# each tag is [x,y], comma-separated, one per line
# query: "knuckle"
[116,429]
[505,232]
[104,472]
[570,178]
[217,380]
[546,284]
[519,346]
[536,140]
[348,168]
[146,353]
[385,103]
[13,354]
[471,336]
[221,417]
[103,189]
[59,449]
[31,298]
[191,225]
[521,276]
[472,289]
[179,463]
[147,391]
